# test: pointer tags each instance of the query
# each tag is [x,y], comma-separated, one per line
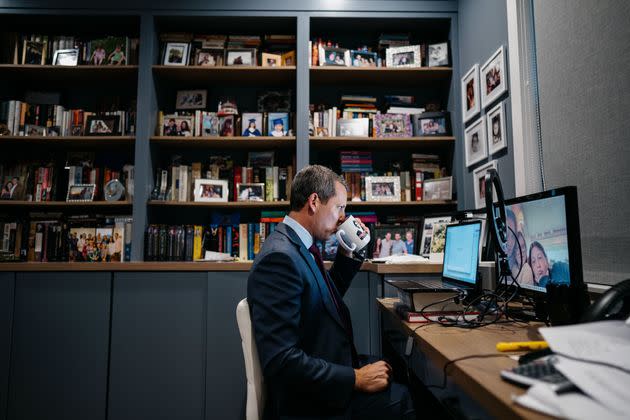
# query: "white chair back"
[253,372]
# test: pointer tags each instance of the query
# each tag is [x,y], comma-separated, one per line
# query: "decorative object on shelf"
[69,57]
[278,124]
[471,102]
[431,124]
[405,56]
[271,60]
[438,55]
[177,125]
[240,57]
[438,240]
[394,240]
[438,189]
[34,52]
[382,188]
[493,78]
[209,124]
[250,191]
[353,127]
[211,190]
[80,193]
[475,144]
[363,58]
[114,190]
[227,105]
[288,58]
[191,99]
[479,184]
[102,125]
[226,125]
[252,124]
[176,53]
[427,233]
[392,125]
[110,50]
[34,130]
[331,56]
[209,57]
[496,129]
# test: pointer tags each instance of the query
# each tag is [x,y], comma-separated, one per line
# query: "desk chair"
[255,383]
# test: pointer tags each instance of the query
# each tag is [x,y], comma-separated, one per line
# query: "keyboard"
[536,371]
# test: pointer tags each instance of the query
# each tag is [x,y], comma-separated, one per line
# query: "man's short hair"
[313,179]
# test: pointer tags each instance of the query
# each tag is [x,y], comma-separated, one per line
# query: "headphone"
[498,219]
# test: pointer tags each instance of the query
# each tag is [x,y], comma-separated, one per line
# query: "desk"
[478,378]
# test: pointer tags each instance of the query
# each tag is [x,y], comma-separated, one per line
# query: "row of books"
[355,160]
[24,119]
[48,237]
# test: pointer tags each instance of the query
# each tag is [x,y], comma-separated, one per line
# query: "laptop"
[459,270]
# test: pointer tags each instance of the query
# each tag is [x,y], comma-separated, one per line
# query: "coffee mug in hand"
[351,235]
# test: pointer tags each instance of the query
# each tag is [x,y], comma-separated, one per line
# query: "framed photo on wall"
[496,129]
[479,178]
[493,78]
[475,144]
[471,102]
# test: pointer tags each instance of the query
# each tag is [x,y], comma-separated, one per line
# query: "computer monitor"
[547,230]
[461,252]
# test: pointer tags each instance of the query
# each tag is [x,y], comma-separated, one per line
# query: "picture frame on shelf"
[68,57]
[405,56]
[209,124]
[226,125]
[471,101]
[34,130]
[252,124]
[240,57]
[430,124]
[110,50]
[495,119]
[475,143]
[351,127]
[288,58]
[80,193]
[493,75]
[209,57]
[438,55]
[177,125]
[102,125]
[254,191]
[210,190]
[382,188]
[176,54]
[394,240]
[33,52]
[438,240]
[479,183]
[331,56]
[271,60]
[363,58]
[278,124]
[427,233]
[191,99]
[438,189]
[392,125]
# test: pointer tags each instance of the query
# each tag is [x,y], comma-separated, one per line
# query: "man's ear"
[312,202]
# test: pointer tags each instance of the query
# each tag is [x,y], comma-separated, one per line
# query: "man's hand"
[374,377]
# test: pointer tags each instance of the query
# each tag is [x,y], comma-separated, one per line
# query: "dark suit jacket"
[304,349]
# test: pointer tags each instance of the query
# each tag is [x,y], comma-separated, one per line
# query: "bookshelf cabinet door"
[60,344]
[7,284]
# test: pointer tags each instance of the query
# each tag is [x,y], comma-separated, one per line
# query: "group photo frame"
[102,125]
[254,191]
[406,56]
[394,240]
[363,58]
[430,124]
[475,143]
[211,190]
[331,56]
[177,125]
[471,103]
[479,176]
[392,125]
[493,76]
[495,120]
[382,188]
[80,193]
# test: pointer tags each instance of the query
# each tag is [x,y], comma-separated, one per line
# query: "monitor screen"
[543,239]
[461,252]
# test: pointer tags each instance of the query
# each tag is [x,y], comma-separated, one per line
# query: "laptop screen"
[461,252]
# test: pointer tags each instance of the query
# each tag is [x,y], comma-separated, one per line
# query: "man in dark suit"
[301,325]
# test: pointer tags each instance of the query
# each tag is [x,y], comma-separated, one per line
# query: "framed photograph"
[438,240]
[250,192]
[210,57]
[33,52]
[240,57]
[493,78]
[278,124]
[66,57]
[431,124]
[479,176]
[260,159]
[406,56]
[393,125]
[81,192]
[330,56]
[382,188]
[438,55]
[102,125]
[81,243]
[363,58]
[176,54]
[394,240]
[110,50]
[271,60]
[178,125]
[495,119]
[475,144]
[427,233]
[288,58]
[252,124]
[226,125]
[191,99]
[209,124]
[209,190]
[274,101]
[438,189]
[34,130]
[471,104]
[355,127]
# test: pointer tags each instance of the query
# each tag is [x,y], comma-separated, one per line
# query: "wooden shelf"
[229,204]
[235,142]
[68,74]
[381,76]
[78,141]
[48,204]
[243,75]
[401,203]
[380,143]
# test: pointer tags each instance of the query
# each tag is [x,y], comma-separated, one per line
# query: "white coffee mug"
[349,235]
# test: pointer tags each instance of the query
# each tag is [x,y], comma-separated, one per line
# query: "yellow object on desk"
[521,345]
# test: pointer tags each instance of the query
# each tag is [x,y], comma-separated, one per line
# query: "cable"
[447,364]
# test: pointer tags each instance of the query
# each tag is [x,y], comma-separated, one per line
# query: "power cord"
[447,364]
